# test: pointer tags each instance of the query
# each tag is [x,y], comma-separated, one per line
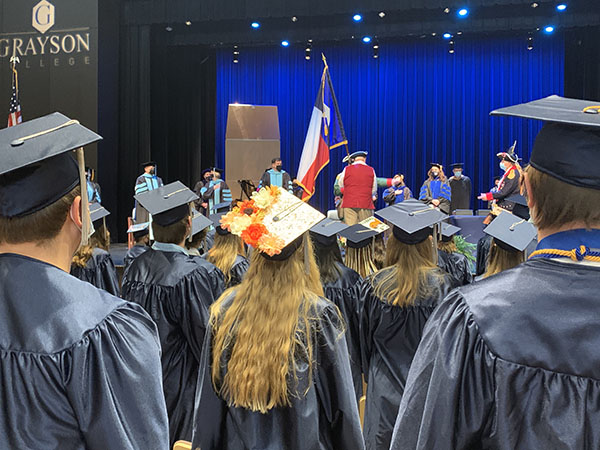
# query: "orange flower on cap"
[271,245]
[252,234]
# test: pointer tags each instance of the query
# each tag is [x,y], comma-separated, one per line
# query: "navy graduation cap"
[216,222]
[36,168]
[167,204]
[411,219]
[511,232]
[521,208]
[200,222]
[448,231]
[325,232]
[568,146]
[358,236]
[97,212]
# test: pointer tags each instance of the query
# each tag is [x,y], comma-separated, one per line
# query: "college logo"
[43,16]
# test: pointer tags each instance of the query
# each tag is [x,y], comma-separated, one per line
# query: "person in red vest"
[358,184]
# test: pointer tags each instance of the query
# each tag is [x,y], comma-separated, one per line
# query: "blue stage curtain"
[413,105]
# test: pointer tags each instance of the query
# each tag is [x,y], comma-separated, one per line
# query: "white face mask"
[92,229]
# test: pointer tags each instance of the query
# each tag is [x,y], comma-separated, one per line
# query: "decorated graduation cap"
[358,236]
[511,232]
[167,204]
[273,222]
[199,223]
[567,147]
[412,220]
[139,230]
[36,167]
[97,212]
[521,208]
[325,232]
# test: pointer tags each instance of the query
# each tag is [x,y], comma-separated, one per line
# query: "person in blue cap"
[512,361]
[80,368]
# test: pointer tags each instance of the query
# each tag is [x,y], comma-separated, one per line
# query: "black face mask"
[208,178]
[279,167]
[152,171]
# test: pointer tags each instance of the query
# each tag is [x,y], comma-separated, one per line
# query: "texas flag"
[325,132]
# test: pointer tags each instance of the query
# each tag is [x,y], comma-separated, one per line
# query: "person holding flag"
[325,132]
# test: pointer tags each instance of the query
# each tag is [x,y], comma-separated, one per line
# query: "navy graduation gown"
[389,337]
[100,271]
[326,418]
[133,253]
[79,368]
[457,266]
[347,293]
[510,362]
[176,290]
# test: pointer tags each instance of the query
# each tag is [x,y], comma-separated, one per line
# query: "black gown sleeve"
[107,273]
[114,383]
[238,271]
[449,396]
[335,388]
[365,330]
[195,297]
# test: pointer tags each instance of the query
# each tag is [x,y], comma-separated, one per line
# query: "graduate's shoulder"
[542,313]
[45,310]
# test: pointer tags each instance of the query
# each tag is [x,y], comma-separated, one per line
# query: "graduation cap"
[167,204]
[206,170]
[432,165]
[149,163]
[457,166]
[510,232]
[97,212]
[568,145]
[358,236]
[411,220]
[358,153]
[222,207]
[36,169]
[521,208]
[216,221]
[199,223]
[325,232]
[448,231]
[139,230]
[216,169]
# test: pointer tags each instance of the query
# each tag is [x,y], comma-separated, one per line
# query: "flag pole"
[323,81]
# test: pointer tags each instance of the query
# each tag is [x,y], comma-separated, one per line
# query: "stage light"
[285,43]
[376,50]
[294,19]
[447,35]
[255,25]
[308,49]
[236,54]
[366,39]
[451,47]
[169,29]
[530,43]
[463,12]
[357,17]
[434,34]
[381,14]
[549,29]
[534,5]
[561,7]
[447,10]
[188,23]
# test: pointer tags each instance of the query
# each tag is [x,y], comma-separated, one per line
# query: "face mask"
[458,173]
[278,167]
[208,178]
[502,165]
[152,171]
[435,174]
[92,229]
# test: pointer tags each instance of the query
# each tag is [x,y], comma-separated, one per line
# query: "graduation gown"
[238,270]
[483,250]
[436,190]
[457,265]
[100,271]
[79,368]
[461,193]
[389,337]
[347,293]
[511,362]
[133,253]
[176,290]
[326,418]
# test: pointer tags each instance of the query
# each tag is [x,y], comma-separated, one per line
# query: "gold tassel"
[85,207]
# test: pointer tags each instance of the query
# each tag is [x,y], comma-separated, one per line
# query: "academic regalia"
[238,270]
[389,337]
[144,183]
[326,417]
[279,178]
[461,193]
[391,198]
[347,292]
[457,266]
[176,290]
[133,253]
[483,250]
[436,189]
[100,271]
[71,363]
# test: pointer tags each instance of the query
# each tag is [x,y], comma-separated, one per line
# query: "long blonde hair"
[224,253]
[500,260]
[361,260]
[259,337]
[100,239]
[447,246]
[410,274]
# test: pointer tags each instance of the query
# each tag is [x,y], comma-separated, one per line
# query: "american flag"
[14,113]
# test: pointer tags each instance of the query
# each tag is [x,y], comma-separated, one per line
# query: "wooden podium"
[251,142]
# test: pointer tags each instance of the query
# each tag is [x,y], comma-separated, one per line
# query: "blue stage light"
[357,17]
[549,29]
[561,7]
[285,43]
[255,25]
[463,12]
[366,39]
[447,35]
